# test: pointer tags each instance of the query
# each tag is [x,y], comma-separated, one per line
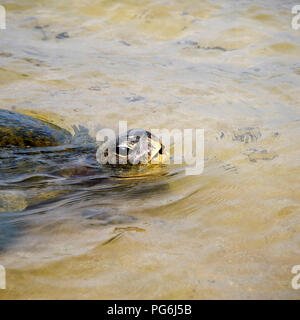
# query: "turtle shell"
[17,129]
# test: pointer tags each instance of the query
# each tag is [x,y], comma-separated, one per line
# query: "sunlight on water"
[69,229]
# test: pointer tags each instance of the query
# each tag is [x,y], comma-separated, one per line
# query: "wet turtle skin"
[136,147]
[24,131]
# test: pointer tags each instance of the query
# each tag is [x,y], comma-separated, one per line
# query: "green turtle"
[35,155]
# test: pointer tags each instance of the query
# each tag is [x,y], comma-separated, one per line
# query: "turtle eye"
[122,151]
[161,150]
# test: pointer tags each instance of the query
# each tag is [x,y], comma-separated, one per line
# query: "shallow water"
[231,68]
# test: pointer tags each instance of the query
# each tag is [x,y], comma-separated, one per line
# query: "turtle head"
[136,147]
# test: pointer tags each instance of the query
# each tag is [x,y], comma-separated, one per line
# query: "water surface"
[231,68]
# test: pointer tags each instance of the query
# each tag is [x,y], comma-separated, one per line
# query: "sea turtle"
[35,155]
